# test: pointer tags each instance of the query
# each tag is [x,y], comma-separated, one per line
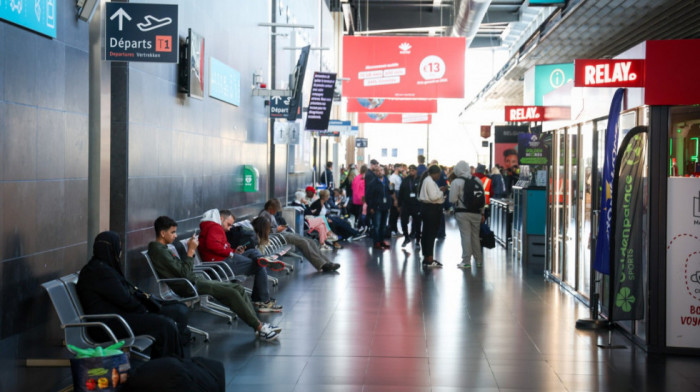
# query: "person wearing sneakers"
[308,247]
[469,212]
[214,246]
[231,294]
[379,200]
[432,198]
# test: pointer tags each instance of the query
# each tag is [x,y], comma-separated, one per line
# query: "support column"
[119,150]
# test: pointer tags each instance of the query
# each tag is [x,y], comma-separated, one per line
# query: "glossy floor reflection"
[384,324]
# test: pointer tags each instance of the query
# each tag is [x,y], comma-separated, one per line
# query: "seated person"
[301,201]
[231,294]
[311,194]
[337,224]
[306,246]
[214,246]
[102,289]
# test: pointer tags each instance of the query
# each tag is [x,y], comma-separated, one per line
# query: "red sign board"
[537,113]
[394,118]
[672,72]
[382,105]
[608,73]
[404,67]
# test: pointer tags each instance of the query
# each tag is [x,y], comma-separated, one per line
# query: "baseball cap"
[310,189]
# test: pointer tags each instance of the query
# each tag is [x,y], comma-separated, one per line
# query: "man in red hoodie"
[213,246]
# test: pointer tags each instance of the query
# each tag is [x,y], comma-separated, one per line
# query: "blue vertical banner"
[602,250]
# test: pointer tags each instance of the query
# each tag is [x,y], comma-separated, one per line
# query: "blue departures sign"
[224,82]
[141,32]
[37,15]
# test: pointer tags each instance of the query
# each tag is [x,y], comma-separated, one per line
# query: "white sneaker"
[325,247]
[332,237]
[464,265]
[269,332]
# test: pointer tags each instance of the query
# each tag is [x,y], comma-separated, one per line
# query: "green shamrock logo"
[625,299]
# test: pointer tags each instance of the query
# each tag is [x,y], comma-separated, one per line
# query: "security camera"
[86,8]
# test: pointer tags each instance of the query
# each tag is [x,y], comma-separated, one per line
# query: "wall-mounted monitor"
[191,66]
[297,83]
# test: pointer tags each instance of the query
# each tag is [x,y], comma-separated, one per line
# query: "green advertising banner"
[531,150]
[627,238]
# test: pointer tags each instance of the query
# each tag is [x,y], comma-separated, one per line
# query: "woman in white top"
[432,197]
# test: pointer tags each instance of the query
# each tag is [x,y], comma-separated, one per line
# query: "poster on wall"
[404,67]
[224,82]
[39,15]
[506,144]
[196,65]
[683,262]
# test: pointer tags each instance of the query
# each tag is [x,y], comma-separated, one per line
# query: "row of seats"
[75,323]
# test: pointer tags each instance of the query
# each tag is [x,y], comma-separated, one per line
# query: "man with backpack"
[468,197]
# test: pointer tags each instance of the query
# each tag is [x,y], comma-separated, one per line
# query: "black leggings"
[431,214]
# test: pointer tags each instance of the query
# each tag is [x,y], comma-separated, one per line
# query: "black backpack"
[473,196]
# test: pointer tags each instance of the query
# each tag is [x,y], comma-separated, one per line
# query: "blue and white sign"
[37,15]
[224,82]
[339,126]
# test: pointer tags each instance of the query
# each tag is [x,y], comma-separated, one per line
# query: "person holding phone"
[214,246]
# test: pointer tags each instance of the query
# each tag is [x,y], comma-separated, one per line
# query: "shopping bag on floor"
[94,372]
[488,240]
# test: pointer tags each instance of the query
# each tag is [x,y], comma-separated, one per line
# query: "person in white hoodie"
[469,221]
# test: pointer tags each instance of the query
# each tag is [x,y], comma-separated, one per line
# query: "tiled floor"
[384,324]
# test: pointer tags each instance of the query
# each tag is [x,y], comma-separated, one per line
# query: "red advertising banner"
[672,72]
[394,118]
[608,73]
[537,113]
[371,105]
[404,67]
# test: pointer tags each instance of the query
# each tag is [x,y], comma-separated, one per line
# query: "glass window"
[684,142]
[384,152]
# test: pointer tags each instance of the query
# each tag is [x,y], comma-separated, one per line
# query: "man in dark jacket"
[102,289]
[327,176]
[409,206]
[378,201]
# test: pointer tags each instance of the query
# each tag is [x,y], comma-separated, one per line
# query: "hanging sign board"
[279,107]
[394,118]
[362,105]
[608,73]
[537,113]
[404,67]
[141,32]
[361,142]
[321,101]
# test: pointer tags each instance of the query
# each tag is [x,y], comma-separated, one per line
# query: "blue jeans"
[379,221]
[247,264]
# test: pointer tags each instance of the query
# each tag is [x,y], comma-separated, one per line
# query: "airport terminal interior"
[350,195]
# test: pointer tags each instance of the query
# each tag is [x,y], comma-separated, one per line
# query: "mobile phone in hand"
[196,233]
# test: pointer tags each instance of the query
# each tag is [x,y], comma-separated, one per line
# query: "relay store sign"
[404,67]
[609,73]
[537,113]
[141,32]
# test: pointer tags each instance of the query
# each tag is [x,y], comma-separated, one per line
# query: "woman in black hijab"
[102,288]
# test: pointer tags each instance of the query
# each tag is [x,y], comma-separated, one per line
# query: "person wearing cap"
[480,173]
[311,194]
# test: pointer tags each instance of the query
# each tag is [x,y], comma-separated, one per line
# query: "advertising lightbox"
[394,118]
[404,67]
[382,105]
